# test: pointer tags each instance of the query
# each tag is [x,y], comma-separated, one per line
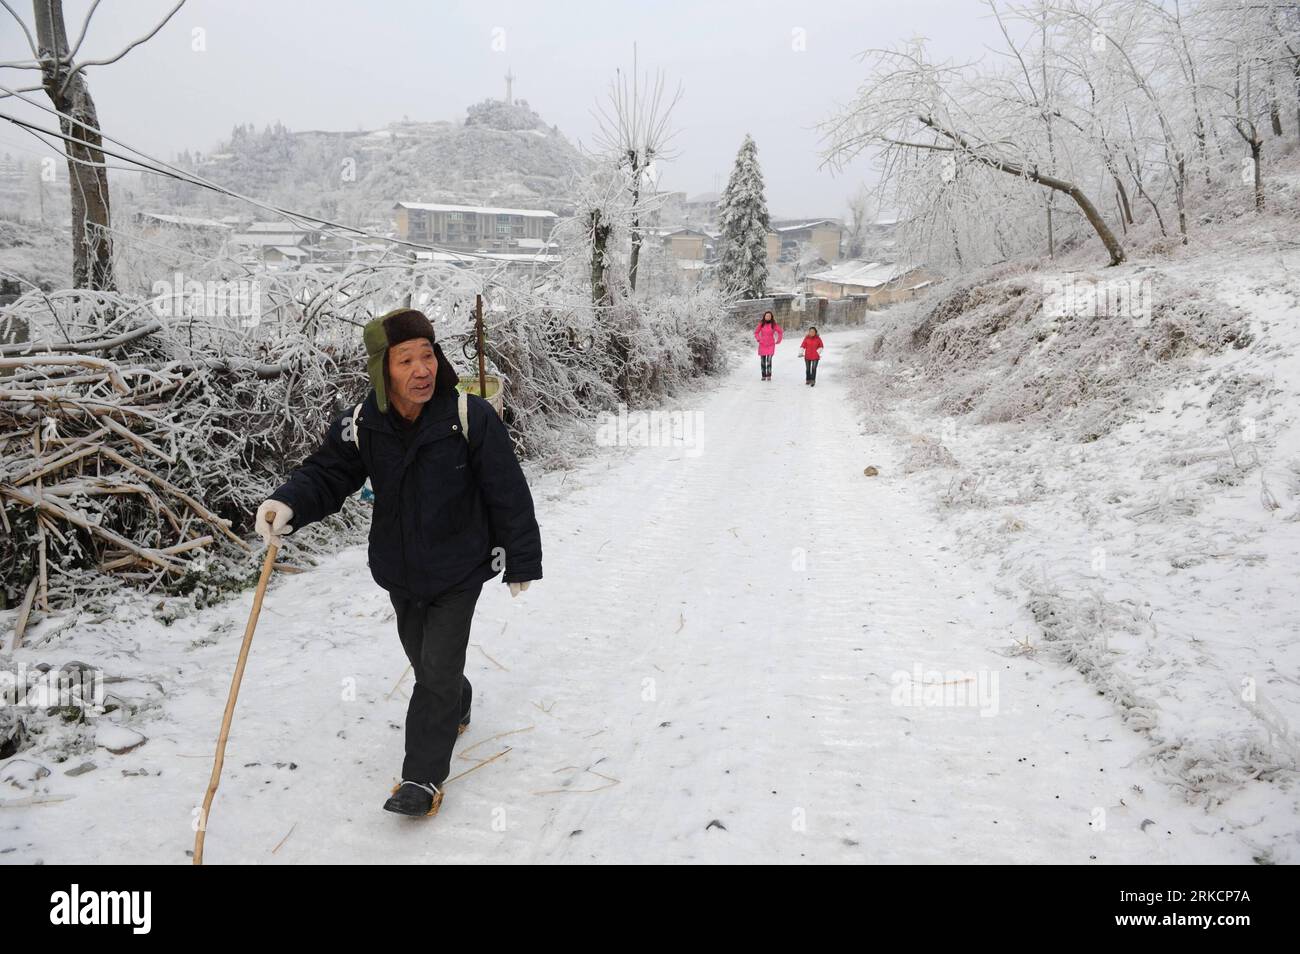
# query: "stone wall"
[797,312]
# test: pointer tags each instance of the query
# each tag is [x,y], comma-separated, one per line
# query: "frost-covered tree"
[634,134]
[63,79]
[863,210]
[943,137]
[1141,114]
[742,215]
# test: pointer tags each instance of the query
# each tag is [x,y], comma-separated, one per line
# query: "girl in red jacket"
[811,346]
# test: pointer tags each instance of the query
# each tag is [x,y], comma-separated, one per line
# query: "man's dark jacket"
[442,505]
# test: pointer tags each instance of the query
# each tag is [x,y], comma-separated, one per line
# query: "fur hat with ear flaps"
[382,333]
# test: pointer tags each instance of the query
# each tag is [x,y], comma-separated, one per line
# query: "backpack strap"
[356,433]
[462,408]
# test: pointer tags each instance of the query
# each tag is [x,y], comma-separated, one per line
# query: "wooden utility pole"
[478,337]
[92,247]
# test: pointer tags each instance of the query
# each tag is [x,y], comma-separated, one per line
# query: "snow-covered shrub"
[925,454]
[1075,630]
[154,438]
[995,352]
[185,421]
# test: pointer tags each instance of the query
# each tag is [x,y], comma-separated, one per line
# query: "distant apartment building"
[667,209]
[471,228]
[821,235]
[701,209]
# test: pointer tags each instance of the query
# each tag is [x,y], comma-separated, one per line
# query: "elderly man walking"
[452,509]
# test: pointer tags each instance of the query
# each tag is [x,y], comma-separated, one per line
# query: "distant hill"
[502,154]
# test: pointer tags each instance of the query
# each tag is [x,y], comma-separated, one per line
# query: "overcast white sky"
[330,64]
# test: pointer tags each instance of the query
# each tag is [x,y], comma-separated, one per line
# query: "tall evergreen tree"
[743,219]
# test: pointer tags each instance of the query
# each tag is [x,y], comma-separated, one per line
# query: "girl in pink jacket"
[768,334]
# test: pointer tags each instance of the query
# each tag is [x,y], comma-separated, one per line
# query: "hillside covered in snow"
[500,155]
[1133,482]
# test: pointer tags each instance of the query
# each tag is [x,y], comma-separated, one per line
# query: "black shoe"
[414,798]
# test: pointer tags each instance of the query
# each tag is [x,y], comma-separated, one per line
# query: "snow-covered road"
[713,670]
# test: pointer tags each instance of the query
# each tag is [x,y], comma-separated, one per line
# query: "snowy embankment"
[744,649]
[1135,485]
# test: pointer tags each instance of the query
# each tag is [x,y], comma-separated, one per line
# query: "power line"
[163,168]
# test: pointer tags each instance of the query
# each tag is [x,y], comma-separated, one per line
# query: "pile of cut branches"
[134,448]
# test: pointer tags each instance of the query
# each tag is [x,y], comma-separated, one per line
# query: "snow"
[714,669]
[865,274]
[1154,559]
[801,226]
[475,209]
[276,228]
[116,738]
[181,220]
[267,239]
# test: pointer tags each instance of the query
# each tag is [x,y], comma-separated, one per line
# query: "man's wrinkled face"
[412,369]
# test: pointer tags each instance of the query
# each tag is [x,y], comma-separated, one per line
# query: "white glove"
[517,588]
[273,520]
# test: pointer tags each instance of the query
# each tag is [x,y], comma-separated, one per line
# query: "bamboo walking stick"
[267,565]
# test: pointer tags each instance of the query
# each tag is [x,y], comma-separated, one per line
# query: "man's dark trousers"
[434,636]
